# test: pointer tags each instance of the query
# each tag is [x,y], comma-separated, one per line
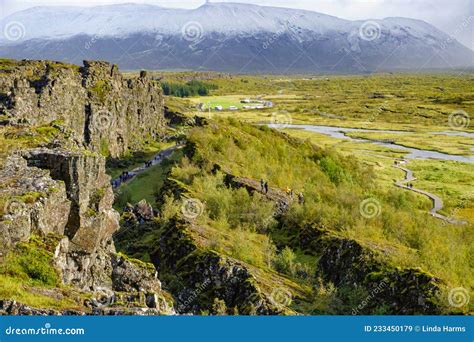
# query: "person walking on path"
[266,187]
[262,185]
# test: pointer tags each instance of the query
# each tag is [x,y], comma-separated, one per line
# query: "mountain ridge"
[238,33]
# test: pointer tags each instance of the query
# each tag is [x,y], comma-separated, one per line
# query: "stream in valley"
[413,153]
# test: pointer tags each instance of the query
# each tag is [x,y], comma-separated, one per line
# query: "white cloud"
[447,15]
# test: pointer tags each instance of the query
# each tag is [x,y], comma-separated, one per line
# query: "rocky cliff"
[58,121]
[101,109]
[64,200]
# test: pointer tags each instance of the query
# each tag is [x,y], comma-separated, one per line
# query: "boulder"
[131,275]
[143,210]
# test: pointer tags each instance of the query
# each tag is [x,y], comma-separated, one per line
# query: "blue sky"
[449,15]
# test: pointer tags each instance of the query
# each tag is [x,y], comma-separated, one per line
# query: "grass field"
[452,181]
[456,145]
[224,101]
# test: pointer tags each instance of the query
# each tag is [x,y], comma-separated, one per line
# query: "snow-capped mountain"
[228,37]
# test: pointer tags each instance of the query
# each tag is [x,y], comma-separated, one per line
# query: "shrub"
[169,209]
[333,170]
[219,308]
[285,261]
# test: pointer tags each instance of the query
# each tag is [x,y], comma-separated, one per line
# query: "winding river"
[413,153]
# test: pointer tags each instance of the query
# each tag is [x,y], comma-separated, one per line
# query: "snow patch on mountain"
[61,22]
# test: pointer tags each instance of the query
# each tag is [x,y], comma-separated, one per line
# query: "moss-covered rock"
[102,110]
[351,264]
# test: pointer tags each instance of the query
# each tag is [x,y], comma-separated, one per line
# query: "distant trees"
[191,88]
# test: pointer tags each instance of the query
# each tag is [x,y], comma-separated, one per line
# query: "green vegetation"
[334,187]
[14,289]
[139,263]
[27,67]
[452,181]
[378,101]
[239,224]
[456,145]
[32,261]
[27,274]
[226,101]
[101,89]
[191,88]
[7,64]
[335,177]
[18,139]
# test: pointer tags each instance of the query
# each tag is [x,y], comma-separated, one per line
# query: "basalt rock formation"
[69,197]
[55,196]
[101,110]
[351,264]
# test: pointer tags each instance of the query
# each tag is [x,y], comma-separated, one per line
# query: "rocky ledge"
[101,109]
[64,200]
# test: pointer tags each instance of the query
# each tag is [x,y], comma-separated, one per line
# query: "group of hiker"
[291,194]
[125,176]
[289,191]
[159,157]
